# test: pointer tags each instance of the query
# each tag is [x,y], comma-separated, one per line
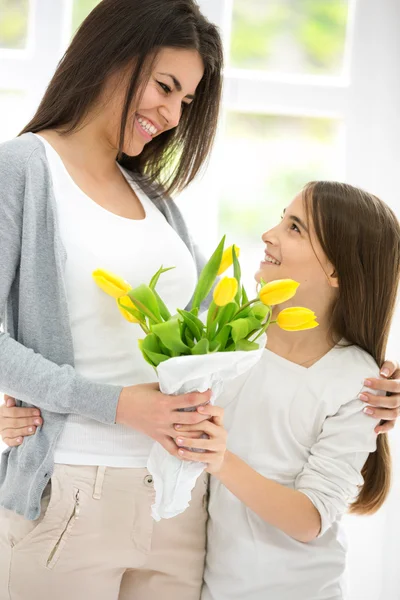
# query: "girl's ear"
[333,278]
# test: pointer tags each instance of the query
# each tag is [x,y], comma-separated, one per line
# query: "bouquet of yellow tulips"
[196,354]
[233,322]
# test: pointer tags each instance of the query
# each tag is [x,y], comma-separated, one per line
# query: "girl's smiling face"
[292,251]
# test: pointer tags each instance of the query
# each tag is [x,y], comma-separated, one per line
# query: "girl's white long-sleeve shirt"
[304,428]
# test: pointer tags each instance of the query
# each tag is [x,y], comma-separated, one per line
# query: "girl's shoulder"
[17,156]
[342,375]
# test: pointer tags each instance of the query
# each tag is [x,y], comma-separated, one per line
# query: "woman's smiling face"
[293,252]
[169,91]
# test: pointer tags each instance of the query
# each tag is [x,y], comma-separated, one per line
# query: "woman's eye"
[164,86]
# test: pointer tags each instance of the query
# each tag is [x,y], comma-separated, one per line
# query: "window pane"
[81,9]
[267,160]
[13,113]
[13,23]
[289,36]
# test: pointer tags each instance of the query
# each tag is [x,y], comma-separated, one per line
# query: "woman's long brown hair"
[122,33]
[360,236]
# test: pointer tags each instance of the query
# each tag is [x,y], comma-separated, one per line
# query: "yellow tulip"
[225,291]
[296,319]
[227,259]
[111,284]
[126,301]
[277,292]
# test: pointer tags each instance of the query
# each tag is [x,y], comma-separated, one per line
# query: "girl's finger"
[201,444]
[12,434]
[12,442]
[204,457]
[213,411]
[9,401]
[208,427]
[18,412]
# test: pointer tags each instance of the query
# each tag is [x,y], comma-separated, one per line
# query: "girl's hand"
[386,408]
[17,422]
[190,436]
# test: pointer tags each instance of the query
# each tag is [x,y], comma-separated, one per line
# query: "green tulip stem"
[144,327]
[241,308]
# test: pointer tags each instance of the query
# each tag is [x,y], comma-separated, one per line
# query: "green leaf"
[242,327]
[236,273]
[144,298]
[202,347]
[260,311]
[188,338]
[208,276]
[223,337]
[155,358]
[170,335]
[214,346]
[138,315]
[212,322]
[193,323]
[244,296]
[156,277]
[226,314]
[246,345]
[151,342]
[166,315]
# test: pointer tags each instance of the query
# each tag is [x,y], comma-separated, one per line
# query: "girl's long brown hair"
[122,33]
[360,236]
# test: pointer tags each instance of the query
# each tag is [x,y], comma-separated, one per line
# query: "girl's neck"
[301,347]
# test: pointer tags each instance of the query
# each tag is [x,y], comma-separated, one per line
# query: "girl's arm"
[323,490]
[284,508]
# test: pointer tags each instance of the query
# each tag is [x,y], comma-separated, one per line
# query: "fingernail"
[177,426]
[179,441]
[368,382]
[385,372]
[8,402]
[363,397]
[30,429]
[180,451]
[19,440]
[37,421]
[201,409]
[368,411]
[36,413]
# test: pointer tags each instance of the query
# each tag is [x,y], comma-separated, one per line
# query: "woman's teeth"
[147,126]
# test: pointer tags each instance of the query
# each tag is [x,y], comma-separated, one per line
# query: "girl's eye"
[294,227]
[165,87]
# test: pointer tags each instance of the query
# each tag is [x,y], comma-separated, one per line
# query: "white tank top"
[105,344]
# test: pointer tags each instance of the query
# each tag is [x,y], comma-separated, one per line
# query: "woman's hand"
[17,422]
[192,436]
[144,408]
[386,408]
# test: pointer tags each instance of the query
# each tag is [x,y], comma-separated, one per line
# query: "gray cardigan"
[36,352]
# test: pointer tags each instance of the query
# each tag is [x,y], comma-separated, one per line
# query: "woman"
[76,498]
[301,448]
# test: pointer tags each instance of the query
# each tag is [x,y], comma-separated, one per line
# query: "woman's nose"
[172,113]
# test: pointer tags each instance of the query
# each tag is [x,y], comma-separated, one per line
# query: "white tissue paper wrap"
[173,478]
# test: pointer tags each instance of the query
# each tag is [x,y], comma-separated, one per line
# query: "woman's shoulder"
[347,356]
[20,149]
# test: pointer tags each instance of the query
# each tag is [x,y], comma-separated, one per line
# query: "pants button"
[148,480]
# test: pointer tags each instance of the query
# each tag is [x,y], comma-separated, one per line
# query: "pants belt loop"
[98,484]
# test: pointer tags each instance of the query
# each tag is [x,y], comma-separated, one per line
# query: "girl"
[80,188]
[301,449]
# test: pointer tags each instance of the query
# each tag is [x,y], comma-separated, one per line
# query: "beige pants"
[96,540]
